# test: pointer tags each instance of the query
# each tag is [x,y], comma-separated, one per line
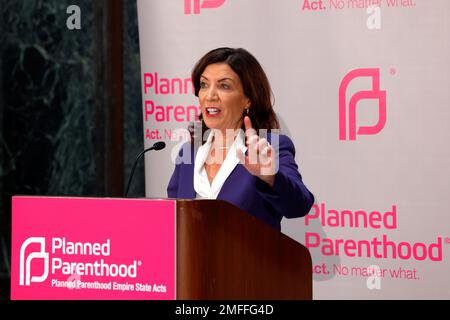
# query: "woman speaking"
[235,153]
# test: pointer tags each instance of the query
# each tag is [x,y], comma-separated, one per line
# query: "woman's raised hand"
[260,159]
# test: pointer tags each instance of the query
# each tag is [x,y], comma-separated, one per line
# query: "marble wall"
[47,114]
[133,122]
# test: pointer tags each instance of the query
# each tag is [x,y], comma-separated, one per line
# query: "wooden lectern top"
[226,253]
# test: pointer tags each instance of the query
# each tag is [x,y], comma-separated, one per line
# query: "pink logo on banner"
[206,4]
[92,249]
[374,93]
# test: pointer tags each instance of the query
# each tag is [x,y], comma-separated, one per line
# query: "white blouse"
[203,188]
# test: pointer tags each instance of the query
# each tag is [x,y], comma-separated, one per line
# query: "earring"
[246,110]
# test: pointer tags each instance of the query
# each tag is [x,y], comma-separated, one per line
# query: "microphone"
[156,146]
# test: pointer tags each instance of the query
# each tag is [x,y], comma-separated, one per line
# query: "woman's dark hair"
[254,82]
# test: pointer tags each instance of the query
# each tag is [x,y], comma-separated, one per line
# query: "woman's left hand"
[260,159]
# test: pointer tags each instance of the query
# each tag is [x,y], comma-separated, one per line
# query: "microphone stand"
[156,146]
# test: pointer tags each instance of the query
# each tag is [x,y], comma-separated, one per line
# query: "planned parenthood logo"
[98,258]
[201,4]
[374,94]
[25,277]
[54,261]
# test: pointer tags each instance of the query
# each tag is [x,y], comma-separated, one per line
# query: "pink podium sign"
[92,249]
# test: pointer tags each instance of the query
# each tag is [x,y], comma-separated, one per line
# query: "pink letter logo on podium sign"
[206,4]
[25,263]
[374,93]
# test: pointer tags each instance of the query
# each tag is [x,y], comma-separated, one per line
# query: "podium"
[225,253]
[110,248]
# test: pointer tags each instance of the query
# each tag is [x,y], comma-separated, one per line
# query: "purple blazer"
[288,197]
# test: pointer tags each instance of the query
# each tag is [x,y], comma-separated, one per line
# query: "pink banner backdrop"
[361,87]
[92,249]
